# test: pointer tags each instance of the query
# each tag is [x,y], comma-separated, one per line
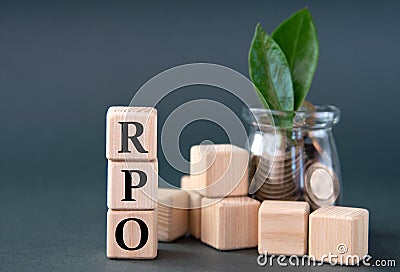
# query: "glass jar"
[294,156]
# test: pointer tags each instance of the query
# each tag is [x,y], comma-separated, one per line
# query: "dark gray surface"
[63,229]
[63,63]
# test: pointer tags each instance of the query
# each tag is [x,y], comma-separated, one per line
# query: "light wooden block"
[132,185]
[219,170]
[188,184]
[131,234]
[131,134]
[341,231]
[173,214]
[191,188]
[231,223]
[195,214]
[283,227]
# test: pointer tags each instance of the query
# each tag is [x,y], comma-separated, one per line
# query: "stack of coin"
[279,175]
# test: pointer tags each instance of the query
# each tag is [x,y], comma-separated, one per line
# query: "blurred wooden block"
[219,170]
[131,134]
[340,231]
[230,223]
[132,185]
[173,214]
[191,188]
[195,214]
[131,234]
[283,227]
[189,184]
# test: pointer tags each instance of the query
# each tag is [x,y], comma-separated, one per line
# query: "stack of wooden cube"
[132,182]
[223,217]
[219,179]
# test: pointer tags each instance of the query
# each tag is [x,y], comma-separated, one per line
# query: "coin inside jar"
[321,185]
[278,170]
[265,164]
[270,192]
[279,173]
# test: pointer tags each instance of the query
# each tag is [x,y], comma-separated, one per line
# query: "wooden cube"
[131,134]
[131,234]
[191,188]
[195,214]
[188,184]
[283,227]
[230,223]
[219,170]
[132,185]
[173,214]
[340,231]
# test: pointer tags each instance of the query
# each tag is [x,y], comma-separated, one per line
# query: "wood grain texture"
[195,214]
[191,188]
[230,223]
[188,184]
[131,234]
[219,170]
[173,214]
[332,227]
[145,196]
[283,227]
[147,117]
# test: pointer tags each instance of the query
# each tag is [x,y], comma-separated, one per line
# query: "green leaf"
[270,71]
[298,39]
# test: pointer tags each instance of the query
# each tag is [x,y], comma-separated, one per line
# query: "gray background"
[63,63]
